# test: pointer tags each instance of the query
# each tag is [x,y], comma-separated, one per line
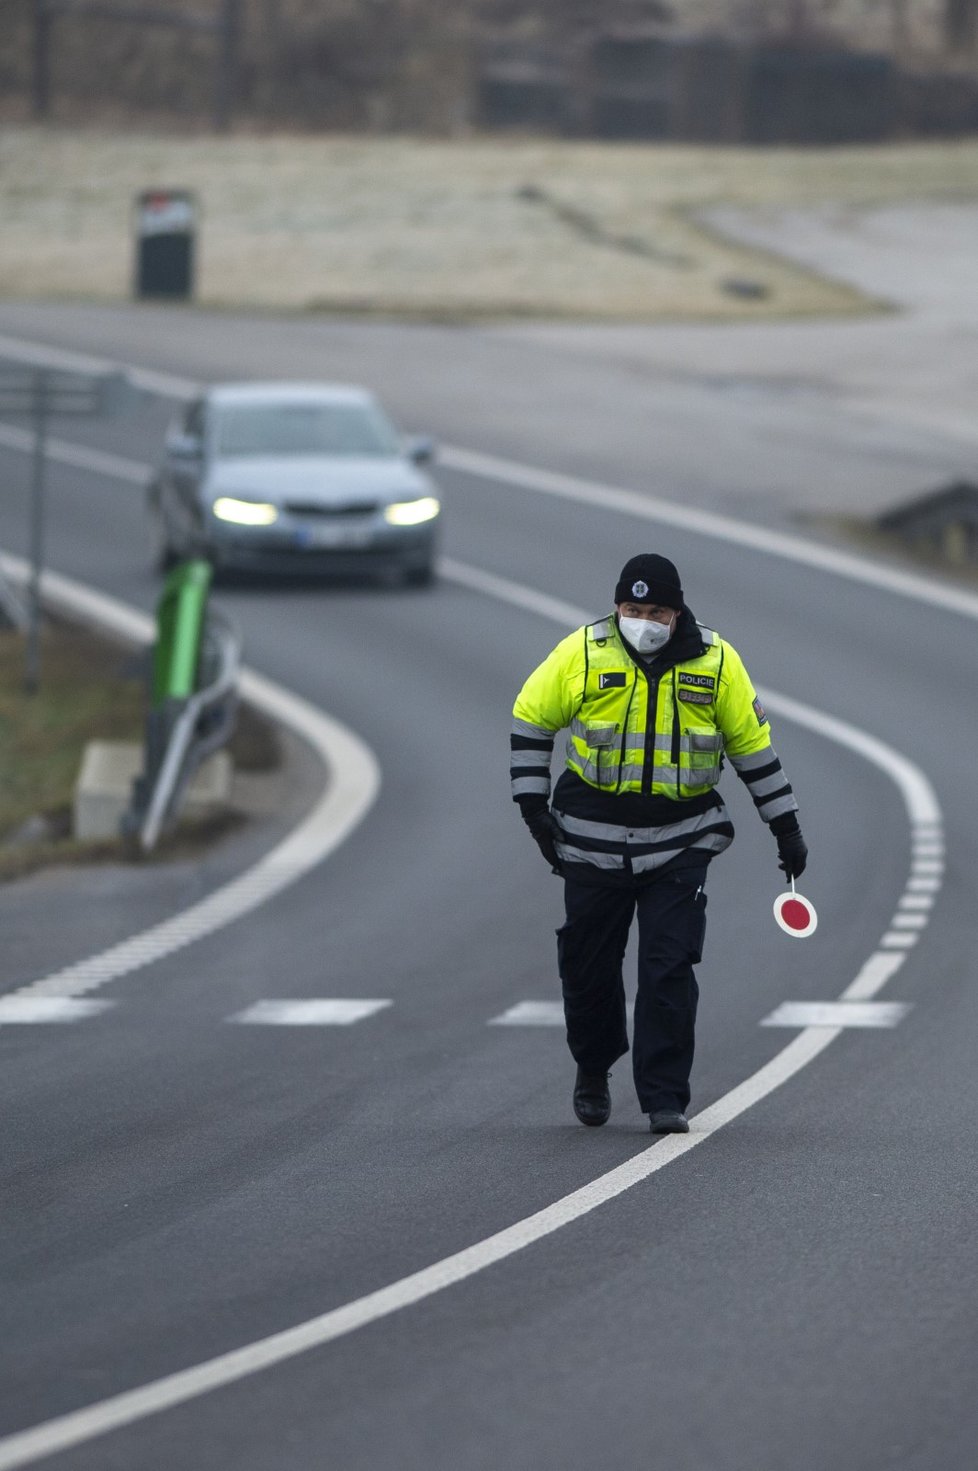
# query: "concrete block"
[104,787]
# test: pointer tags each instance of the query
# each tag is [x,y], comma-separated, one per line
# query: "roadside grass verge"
[448,230]
[90,689]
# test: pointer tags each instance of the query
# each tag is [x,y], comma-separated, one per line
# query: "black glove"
[546,830]
[792,852]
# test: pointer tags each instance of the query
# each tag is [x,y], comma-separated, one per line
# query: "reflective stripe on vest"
[607,746]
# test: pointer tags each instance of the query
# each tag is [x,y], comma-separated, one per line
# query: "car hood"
[317,480]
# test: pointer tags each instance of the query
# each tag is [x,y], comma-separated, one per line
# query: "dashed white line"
[40,1010]
[837,1014]
[341,807]
[321,1011]
[531,1014]
[123,1409]
[873,976]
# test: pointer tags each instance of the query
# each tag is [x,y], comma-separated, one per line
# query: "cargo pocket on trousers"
[693,924]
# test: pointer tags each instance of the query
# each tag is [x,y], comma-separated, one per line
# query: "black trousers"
[590,950]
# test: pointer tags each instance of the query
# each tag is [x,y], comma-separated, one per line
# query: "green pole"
[180,625]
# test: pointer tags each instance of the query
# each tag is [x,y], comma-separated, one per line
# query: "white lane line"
[837,1014]
[39,1010]
[342,805]
[41,355]
[922,808]
[319,1012]
[780,544]
[873,976]
[78,456]
[593,493]
[136,1404]
[531,1014]
[187,1384]
[917,793]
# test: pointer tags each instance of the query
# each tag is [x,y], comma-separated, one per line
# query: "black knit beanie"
[649,578]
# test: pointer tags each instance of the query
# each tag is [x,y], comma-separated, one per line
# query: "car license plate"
[333,536]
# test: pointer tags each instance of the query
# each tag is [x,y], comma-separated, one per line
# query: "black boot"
[668,1121]
[592,1098]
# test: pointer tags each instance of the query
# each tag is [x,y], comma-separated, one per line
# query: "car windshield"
[304,429]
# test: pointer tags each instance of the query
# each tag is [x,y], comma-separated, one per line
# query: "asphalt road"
[798,1292]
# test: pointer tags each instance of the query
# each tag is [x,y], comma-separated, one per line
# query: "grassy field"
[432,229]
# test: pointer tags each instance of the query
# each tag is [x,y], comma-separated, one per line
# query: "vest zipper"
[676,730]
[624,731]
[650,712]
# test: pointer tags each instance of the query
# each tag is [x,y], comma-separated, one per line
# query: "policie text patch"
[611,681]
[700,681]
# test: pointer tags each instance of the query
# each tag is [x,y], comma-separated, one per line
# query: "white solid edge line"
[712,524]
[175,1389]
[79,456]
[225,1369]
[123,1409]
[339,809]
[898,581]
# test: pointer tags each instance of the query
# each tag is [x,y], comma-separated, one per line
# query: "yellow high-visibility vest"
[633,731]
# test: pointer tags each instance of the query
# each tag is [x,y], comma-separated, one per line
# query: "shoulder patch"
[600,632]
[760,713]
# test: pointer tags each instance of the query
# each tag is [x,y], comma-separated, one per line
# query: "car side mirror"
[184,447]
[420,448]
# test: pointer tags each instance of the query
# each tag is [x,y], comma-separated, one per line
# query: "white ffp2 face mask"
[645,636]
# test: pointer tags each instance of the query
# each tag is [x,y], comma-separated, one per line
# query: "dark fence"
[716,91]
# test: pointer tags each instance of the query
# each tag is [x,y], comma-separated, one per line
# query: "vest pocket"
[700,753]
[599,764]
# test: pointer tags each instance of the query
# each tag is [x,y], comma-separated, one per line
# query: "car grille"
[343,508]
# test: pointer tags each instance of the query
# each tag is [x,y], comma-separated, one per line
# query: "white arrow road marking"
[837,1014]
[321,1012]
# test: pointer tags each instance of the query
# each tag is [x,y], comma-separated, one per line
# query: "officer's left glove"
[792,849]
[546,830]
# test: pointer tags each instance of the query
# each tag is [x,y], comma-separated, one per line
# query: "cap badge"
[639,589]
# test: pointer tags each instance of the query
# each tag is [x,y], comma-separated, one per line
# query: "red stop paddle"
[795,914]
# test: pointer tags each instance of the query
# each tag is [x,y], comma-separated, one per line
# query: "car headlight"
[245,513]
[412,513]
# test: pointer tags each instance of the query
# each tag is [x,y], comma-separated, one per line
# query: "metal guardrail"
[196,665]
[13,609]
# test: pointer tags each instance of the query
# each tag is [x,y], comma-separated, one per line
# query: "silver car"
[295,477]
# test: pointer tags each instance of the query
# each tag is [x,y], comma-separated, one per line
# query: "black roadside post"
[39,414]
[227,65]
[41,60]
[38,394]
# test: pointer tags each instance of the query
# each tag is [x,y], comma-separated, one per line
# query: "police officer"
[653,702]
